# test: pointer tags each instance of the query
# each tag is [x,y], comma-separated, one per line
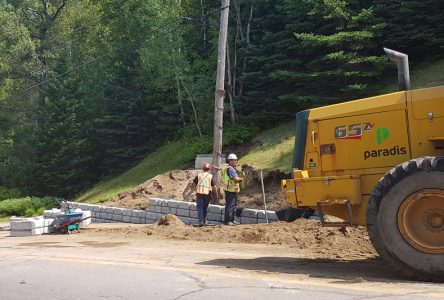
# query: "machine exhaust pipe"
[402,62]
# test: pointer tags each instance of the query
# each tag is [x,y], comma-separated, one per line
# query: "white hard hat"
[232,156]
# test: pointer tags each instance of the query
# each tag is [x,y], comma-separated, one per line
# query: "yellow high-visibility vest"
[229,184]
[203,186]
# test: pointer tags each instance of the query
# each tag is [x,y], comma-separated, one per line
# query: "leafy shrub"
[238,134]
[28,206]
[30,212]
[6,193]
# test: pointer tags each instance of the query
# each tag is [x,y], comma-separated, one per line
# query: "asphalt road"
[85,266]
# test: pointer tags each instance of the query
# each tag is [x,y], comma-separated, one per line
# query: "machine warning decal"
[353,131]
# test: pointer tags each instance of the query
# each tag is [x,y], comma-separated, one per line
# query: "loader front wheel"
[405,218]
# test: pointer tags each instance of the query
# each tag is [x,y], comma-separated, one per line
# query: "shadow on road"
[352,271]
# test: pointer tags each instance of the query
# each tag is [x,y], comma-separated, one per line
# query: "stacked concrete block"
[151,217]
[158,207]
[248,216]
[51,213]
[253,216]
[86,217]
[47,222]
[27,226]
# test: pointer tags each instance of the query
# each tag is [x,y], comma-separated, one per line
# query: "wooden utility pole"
[219,94]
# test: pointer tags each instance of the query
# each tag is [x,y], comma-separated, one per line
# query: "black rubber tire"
[290,214]
[386,198]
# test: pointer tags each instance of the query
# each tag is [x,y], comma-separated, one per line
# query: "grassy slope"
[275,152]
[422,76]
[171,156]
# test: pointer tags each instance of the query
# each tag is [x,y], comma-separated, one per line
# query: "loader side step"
[345,202]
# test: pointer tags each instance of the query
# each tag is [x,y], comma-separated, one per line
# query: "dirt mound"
[177,185]
[306,235]
[169,220]
[170,185]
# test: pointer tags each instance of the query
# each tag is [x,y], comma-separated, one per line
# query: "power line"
[90,61]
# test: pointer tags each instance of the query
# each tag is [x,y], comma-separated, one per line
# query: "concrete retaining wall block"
[246,220]
[117,218]
[135,220]
[183,212]
[184,205]
[217,209]
[152,216]
[250,213]
[172,204]
[152,202]
[215,217]
[186,211]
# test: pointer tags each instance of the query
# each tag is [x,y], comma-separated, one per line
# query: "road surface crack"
[200,283]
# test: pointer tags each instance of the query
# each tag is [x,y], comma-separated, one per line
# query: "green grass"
[421,76]
[428,75]
[174,155]
[276,151]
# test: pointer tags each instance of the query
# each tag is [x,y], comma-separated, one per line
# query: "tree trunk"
[249,24]
[179,100]
[239,20]
[204,24]
[247,37]
[190,98]
[230,87]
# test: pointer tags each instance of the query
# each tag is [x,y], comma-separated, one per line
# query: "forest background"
[89,87]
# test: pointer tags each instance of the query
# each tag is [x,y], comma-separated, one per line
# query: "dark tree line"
[87,88]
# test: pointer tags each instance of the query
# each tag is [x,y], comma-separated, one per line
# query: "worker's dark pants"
[230,206]
[202,202]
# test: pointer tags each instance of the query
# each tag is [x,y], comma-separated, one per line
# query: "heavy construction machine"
[378,162]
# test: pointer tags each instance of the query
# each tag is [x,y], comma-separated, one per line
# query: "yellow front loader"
[378,162]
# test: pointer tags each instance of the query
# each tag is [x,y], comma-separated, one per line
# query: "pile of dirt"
[177,185]
[307,235]
[169,220]
[170,185]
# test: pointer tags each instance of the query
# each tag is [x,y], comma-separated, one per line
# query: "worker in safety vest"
[231,186]
[204,186]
